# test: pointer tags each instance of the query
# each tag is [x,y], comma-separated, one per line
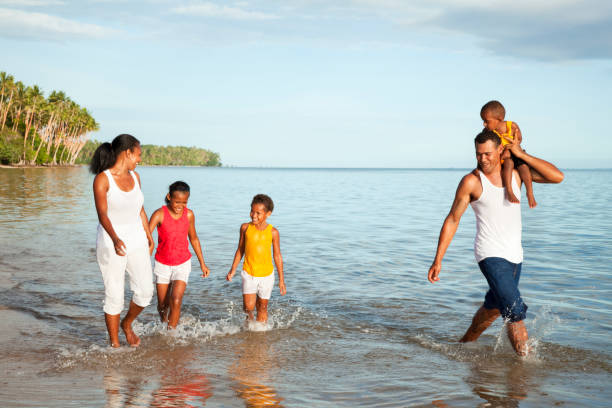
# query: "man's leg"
[517,333]
[482,320]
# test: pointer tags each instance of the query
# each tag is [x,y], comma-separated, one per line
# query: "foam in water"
[191,330]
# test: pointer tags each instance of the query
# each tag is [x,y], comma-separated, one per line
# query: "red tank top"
[172,246]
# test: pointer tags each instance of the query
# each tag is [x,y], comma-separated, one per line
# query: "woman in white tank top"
[124,242]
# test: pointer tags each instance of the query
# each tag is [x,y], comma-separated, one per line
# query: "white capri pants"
[137,263]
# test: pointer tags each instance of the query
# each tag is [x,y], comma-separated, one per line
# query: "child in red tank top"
[175,223]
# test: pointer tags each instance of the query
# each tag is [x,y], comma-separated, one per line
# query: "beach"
[359,326]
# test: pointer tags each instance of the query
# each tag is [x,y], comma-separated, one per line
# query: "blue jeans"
[503,278]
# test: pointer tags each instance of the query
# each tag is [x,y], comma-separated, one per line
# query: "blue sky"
[353,83]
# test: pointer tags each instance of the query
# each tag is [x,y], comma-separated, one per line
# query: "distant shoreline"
[9,166]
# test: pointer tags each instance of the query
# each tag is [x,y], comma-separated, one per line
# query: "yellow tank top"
[258,251]
[508,133]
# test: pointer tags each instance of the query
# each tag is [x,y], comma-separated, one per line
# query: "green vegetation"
[35,130]
[162,155]
[39,130]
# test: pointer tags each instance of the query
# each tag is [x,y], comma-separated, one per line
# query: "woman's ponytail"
[103,158]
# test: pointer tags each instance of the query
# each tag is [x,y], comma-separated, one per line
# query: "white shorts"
[260,285]
[167,273]
[137,263]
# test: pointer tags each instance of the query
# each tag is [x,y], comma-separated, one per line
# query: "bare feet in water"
[131,337]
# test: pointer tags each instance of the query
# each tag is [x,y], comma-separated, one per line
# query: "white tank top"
[124,214]
[498,223]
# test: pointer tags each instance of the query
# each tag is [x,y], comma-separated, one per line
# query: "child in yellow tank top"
[259,243]
[492,114]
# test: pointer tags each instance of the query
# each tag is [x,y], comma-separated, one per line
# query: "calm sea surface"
[359,326]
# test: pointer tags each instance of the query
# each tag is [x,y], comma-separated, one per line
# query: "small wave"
[155,337]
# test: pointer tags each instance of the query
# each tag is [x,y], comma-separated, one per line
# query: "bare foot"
[163,313]
[131,337]
[115,345]
[532,201]
[511,197]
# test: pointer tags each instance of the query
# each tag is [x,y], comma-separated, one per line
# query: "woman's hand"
[151,244]
[120,248]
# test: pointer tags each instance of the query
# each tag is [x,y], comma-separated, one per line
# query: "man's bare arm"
[462,199]
[541,170]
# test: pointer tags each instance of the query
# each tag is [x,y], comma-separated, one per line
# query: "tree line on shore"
[55,130]
[154,155]
[39,130]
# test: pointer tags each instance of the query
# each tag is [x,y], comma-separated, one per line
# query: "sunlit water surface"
[359,326]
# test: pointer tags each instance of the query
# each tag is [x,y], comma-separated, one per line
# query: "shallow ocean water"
[359,326]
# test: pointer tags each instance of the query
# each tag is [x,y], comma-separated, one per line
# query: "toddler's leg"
[507,168]
[163,298]
[249,304]
[525,174]
[176,300]
[262,310]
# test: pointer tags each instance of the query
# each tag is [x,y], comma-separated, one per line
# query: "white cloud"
[544,30]
[23,24]
[207,9]
[31,3]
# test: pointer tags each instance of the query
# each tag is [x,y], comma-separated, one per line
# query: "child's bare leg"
[163,297]
[517,333]
[262,309]
[481,321]
[126,324]
[525,174]
[507,168]
[176,300]
[112,325]
[248,300]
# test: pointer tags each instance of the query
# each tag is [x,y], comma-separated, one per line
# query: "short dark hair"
[177,186]
[487,135]
[265,200]
[494,107]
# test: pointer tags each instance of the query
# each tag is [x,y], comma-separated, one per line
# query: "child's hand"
[205,270]
[514,146]
[283,289]
[230,275]
[119,247]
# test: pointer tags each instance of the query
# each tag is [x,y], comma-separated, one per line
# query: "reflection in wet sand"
[124,390]
[253,369]
[175,386]
[501,383]
[182,388]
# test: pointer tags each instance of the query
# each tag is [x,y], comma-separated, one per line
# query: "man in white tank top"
[497,246]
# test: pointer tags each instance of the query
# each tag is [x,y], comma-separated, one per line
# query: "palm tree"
[35,100]
[7,89]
